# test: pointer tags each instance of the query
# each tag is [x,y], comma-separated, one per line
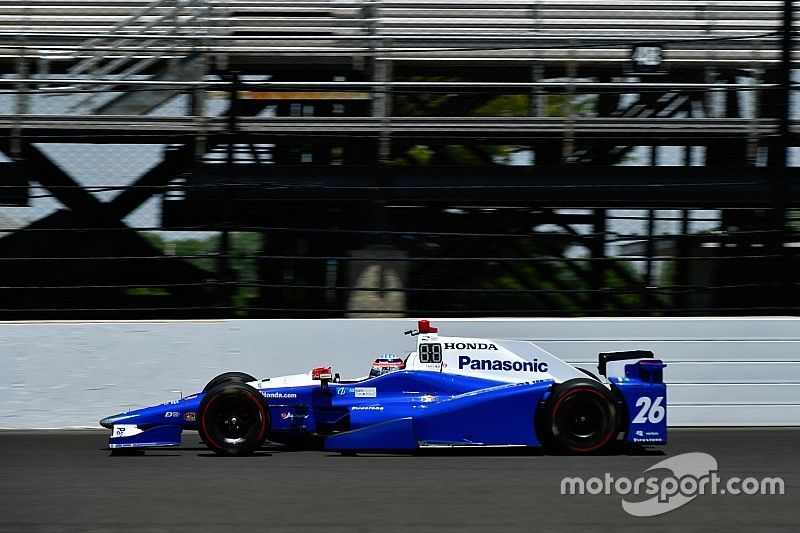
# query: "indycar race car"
[450,392]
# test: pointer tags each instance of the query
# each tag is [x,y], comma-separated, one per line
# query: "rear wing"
[606,357]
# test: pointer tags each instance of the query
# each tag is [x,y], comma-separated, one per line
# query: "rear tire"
[589,373]
[227,377]
[580,417]
[233,419]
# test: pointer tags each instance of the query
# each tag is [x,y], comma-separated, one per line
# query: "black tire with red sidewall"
[580,417]
[233,419]
[227,377]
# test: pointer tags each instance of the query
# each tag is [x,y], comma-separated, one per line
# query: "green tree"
[204,252]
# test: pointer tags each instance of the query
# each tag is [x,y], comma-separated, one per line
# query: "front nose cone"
[109,421]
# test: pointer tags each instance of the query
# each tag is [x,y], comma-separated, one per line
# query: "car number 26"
[650,410]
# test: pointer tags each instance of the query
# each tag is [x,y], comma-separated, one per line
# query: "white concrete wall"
[722,371]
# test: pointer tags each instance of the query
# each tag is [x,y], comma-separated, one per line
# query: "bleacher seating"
[544,30]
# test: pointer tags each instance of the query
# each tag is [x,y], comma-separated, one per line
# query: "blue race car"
[450,392]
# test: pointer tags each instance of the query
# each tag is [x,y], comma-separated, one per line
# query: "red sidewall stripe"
[256,401]
[264,416]
[206,435]
[571,393]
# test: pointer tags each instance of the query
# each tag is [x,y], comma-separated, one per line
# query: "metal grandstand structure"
[404,157]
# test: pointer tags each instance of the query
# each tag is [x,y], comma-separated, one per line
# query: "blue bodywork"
[645,396]
[406,410]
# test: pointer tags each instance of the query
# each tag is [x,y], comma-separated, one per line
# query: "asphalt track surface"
[67,481]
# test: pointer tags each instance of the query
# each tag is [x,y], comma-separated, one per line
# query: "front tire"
[227,377]
[233,419]
[580,417]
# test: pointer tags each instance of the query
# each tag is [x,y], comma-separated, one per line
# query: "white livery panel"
[499,360]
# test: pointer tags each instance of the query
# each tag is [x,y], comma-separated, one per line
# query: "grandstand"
[436,132]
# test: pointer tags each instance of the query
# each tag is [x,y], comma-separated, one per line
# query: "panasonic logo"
[469,346]
[466,361]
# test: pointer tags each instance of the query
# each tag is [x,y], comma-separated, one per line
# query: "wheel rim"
[233,419]
[582,416]
[583,420]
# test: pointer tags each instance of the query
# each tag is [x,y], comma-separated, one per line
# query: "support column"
[785,291]
[22,105]
[382,107]
[597,248]
[568,144]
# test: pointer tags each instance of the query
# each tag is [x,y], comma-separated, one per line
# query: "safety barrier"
[722,371]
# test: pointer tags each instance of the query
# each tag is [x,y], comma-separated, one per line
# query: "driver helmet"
[386,363]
